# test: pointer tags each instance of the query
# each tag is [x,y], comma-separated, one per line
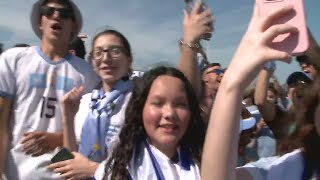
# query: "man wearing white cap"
[33,81]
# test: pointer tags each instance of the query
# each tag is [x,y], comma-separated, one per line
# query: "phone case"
[62,155]
[295,43]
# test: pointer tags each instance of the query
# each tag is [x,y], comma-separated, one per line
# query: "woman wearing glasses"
[101,113]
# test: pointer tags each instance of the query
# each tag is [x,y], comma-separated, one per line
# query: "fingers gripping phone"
[189,4]
[62,155]
[293,43]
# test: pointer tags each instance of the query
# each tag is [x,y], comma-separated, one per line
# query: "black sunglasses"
[64,13]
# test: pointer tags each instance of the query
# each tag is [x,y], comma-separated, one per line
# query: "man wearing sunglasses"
[33,81]
[211,77]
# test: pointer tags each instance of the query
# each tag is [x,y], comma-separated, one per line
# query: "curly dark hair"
[133,131]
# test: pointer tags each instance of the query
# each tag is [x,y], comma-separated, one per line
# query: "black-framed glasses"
[64,13]
[216,71]
[113,52]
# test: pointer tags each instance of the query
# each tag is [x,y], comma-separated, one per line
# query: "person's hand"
[38,143]
[78,168]
[195,24]
[255,48]
[261,124]
[71,100]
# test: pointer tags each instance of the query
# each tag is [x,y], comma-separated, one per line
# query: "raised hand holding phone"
[293,43]
[220,150]
[198,7]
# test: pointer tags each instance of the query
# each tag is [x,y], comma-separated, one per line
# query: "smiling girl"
[163,132]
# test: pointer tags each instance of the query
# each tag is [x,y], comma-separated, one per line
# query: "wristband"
[190,44]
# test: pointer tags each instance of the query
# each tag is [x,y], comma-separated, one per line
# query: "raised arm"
[5,109]
[194,27]
[266,108]
[221,143]
[280,91]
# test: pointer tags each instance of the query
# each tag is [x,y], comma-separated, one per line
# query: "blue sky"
[152,27]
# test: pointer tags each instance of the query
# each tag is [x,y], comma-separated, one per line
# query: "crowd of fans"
[62,117]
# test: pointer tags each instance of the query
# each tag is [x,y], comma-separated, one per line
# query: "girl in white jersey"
[163,131]
[219,156]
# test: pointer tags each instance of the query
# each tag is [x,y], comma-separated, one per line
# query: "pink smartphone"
[293,43]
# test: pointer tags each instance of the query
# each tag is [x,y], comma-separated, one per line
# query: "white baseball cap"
[247,123]
[35,17]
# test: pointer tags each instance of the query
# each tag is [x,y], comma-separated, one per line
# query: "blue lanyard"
[184,158]
[155,163]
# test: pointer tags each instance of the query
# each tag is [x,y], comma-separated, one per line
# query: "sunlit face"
[55,28]
[110,69]
[308,68]
[166,113]
[212,78]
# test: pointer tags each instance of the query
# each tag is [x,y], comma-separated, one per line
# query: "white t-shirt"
[116,120]
[287,167]
[141,167]
[35,84]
